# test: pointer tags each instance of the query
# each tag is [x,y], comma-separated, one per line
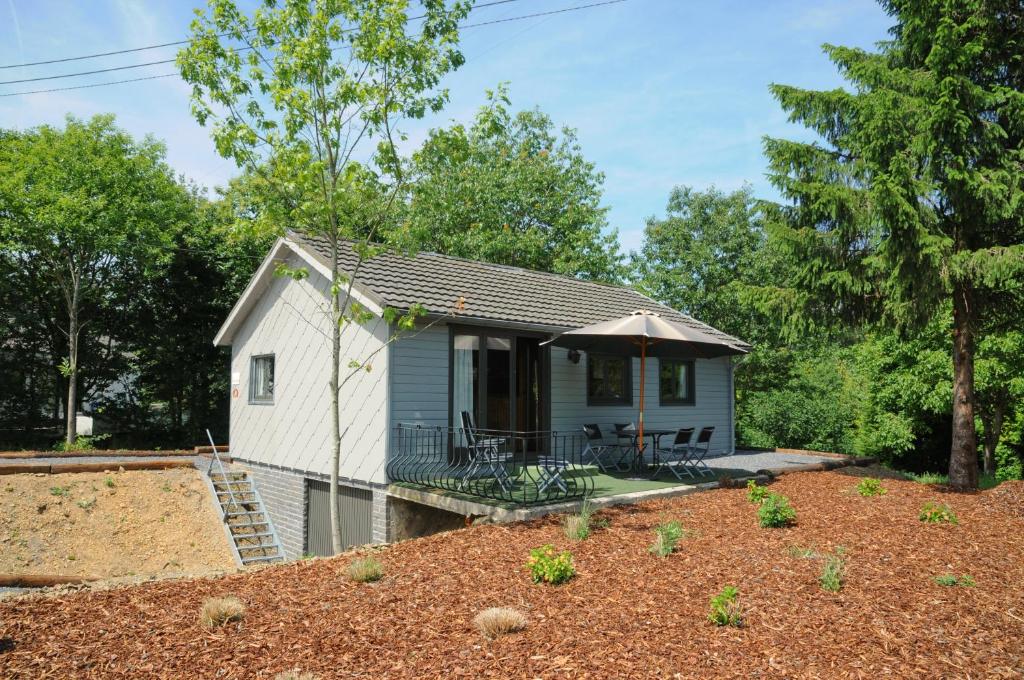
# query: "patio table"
[655,436]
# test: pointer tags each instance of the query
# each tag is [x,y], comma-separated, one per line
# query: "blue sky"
[662,92]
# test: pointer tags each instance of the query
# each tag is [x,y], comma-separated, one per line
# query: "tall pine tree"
[914,194]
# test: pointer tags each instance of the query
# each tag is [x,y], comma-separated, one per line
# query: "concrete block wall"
[382,529]
[284,495]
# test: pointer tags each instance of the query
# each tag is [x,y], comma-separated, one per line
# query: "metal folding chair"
[550,469]
[598,452]
[675,458]
[700,450]
[486,456]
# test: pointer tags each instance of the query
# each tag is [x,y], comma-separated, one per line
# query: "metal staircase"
[252,533]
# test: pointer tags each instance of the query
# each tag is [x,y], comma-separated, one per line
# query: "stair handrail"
[224,475]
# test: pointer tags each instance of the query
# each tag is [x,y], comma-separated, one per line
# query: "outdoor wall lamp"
[574,356]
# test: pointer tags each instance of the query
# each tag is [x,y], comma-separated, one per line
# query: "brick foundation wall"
[284,495]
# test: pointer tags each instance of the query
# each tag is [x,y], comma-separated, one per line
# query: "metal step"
[262,558]
[267,533]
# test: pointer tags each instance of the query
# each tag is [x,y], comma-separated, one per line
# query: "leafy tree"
[85,209]
[914,196]
[704,254]
[298,92]
[999,386]
[509,189]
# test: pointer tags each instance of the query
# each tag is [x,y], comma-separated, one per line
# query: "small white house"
[478,350]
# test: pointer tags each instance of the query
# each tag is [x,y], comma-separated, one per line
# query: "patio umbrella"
[644,334]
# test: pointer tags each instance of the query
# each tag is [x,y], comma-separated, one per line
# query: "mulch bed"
[626,614]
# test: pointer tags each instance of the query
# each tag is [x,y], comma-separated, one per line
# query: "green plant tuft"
[725,608]
[365,569]
[755,492]
[937,513]
[869,486]
[577,526]
[60,491]
[952,580]
[775,511]
[547,567]
[833,572]
[666,536]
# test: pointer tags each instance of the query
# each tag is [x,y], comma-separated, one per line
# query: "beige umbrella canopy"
[643,334]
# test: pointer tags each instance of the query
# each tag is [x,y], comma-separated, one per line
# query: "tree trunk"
[993,430]
[963,457]
[336,544]
[72,409]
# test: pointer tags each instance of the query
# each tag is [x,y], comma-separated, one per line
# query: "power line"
[168,75]
[182,42]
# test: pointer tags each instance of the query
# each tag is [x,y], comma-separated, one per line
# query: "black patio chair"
[599,452]
[700,450]
[488,456]
[676,457]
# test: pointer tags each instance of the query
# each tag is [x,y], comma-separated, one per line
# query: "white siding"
[419,378]
[295,431]
[569,410]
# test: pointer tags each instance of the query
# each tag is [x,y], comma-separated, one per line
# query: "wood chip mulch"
[626,614]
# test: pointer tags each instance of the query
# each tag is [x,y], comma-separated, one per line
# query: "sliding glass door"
[498,378]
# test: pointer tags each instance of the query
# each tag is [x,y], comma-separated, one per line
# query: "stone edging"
[60,468]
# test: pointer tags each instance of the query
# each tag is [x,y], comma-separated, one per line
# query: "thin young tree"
[914,195]
[309,96]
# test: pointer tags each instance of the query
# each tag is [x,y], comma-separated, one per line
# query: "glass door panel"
[465,379]
[499,383]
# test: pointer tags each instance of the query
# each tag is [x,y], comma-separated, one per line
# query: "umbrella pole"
[643,367]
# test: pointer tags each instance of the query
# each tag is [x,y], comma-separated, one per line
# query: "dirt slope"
[627,614]
[113,524]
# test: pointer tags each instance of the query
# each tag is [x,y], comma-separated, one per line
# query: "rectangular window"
[676,382]
[261,379]
[608,380]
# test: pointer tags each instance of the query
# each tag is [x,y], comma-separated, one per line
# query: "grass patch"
[577,527]
[218,611]
[725,608]
[802,553]
[109,482]
[365,569]
[497,621]
[952,580]
[937,513]
[87,504]
[60,490]
[775,511]
[666,536]
[984,481]
[869,486]
[547,567]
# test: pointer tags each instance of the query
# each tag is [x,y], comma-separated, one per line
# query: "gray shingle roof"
[494,292]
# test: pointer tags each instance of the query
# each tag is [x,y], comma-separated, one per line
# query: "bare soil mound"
[110,524]
[627,613]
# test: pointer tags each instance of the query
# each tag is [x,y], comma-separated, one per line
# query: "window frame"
[627,380]
[253,398]
[691,382]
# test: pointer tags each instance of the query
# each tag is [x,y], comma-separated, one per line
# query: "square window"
[609,381]
[676,385]
[261,379]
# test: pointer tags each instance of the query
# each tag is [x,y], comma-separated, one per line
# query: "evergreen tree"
[914,196]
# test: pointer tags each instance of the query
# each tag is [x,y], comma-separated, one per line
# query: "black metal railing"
[509,467]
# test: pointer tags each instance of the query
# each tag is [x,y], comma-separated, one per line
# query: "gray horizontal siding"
[419,378]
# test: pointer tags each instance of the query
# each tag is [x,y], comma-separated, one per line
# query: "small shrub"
[71,557]
[725,608]
[666,536]
[365,569]
[87,504]
[937,513]
[547,567]
[802,553]
[755,492]
[59,491]
[109,482]
[295,675]
[869,486]
[775,511]
[950,580]
[497,621]
[218,611]
[577,527]
[81,443]
[832,573]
